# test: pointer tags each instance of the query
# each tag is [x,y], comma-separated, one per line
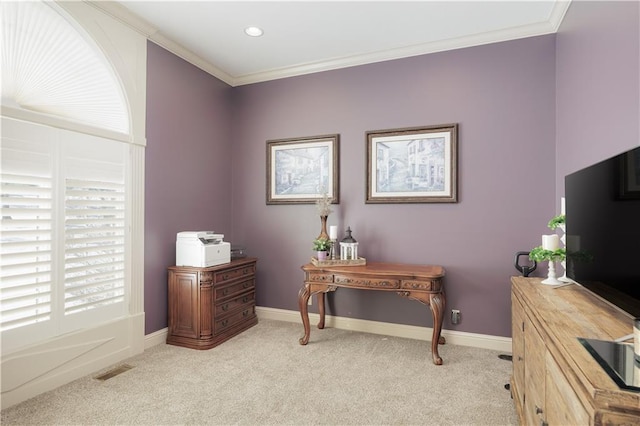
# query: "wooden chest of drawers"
[210,305]
[555,380]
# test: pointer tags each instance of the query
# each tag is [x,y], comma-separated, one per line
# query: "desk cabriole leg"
[320,299]
[436,303]
[303,299]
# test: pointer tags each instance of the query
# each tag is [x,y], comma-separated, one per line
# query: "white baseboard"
[155,338]
[484,341]
[453,337]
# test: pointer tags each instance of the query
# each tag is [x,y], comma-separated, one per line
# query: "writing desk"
[416,282]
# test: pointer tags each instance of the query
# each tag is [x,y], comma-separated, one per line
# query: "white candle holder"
[563,238]
[551,275]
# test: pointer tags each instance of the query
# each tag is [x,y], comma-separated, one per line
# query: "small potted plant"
[321,246]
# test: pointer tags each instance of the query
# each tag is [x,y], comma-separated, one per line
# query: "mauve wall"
[187,166]
[501,95]
[598,84]
[504,97]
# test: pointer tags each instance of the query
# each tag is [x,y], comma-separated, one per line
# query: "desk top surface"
[383,268]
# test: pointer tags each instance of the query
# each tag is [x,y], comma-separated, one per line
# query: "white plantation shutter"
[26,251]
[94,245]
[94,230]
[26,231]
[64,231]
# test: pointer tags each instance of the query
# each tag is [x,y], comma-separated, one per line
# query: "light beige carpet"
[264,377]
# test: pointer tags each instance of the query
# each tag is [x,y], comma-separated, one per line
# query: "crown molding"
[122,14]
[557,14]
[192,58]
[405,52]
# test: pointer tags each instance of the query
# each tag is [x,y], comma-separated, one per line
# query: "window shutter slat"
[94,288]
[25,257]
[9,291]
[96,242]
[104,300]
[91,263]
[16,247]
[18,269]
[118,230]
[95,221]
[33,315]
[22,303]
[96,275]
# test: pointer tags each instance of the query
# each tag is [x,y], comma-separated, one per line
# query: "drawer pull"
[225,277]
[245,313]
[225,322]
[246,285]
[538,410]
[225,307]
[245,271]
[225,291]
[245,299]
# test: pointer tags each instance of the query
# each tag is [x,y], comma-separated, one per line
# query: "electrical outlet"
[455,316]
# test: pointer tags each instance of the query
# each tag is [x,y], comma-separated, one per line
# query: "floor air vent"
[112,373]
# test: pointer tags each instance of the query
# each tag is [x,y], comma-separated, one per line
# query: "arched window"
[72,168]
[50,65]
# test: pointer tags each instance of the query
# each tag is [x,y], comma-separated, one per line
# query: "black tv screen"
[602,207]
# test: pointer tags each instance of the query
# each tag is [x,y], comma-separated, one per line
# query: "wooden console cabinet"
[555,380]
[210,305]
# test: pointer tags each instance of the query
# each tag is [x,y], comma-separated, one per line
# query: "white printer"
[201,249]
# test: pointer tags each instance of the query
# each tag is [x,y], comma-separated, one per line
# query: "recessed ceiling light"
[253,31]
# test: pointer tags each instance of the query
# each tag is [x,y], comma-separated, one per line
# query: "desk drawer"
[233,304]
[319,278]
[227,291]
[232,274]
[221,325]
[434,285]
[366,282]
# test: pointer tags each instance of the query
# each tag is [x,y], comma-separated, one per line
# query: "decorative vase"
[322,255]
[323,232]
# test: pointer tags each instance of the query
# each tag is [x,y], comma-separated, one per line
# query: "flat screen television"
[602,208]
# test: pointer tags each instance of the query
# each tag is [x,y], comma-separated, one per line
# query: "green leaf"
[556,221]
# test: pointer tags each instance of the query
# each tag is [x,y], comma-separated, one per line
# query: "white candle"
[563,207]
[333,232]
[550,242]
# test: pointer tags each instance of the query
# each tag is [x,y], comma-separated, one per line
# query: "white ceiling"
[301,37]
